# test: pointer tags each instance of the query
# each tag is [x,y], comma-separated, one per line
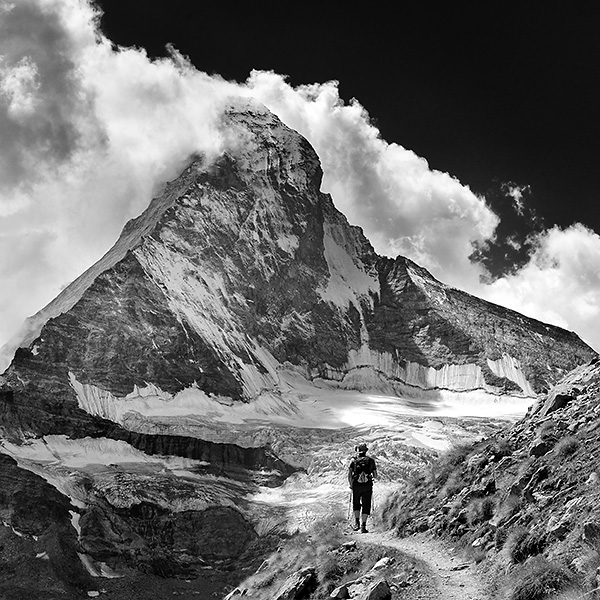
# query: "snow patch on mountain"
[87,452]
[288,243]
[121,474]
[348,282]
[97,568]
[510,367]
[299,404]
[203,301]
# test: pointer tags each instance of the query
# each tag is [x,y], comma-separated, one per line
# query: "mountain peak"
[243,265]
[262,145]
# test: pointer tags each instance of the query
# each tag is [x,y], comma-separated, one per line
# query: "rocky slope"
[525,501]
[239,281]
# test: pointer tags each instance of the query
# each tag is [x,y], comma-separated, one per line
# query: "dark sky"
[500,94]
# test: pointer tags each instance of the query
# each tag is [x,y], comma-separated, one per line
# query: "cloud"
[516,193]
[90,132]
[403,206]
[94,130]
[560,284]
[20,85]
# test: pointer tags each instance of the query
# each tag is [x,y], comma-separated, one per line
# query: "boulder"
[557,526]
[591,534]
[382,563]
[558,398]
[593,479]
[298,584]
[348,546]
[378,589]
[340,593]
[236,593]
[540,447]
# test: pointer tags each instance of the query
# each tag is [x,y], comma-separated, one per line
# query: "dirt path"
[448,577]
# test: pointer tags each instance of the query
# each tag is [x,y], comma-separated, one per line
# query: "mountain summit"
[239,284]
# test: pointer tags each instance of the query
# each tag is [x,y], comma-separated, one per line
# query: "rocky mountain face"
[241,271]
[243,265]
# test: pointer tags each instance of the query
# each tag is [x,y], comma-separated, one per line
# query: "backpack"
[362,468]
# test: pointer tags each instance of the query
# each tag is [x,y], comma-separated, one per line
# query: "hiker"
[361,472]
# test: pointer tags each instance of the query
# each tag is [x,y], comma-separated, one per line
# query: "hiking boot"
[356,526]
[363,528]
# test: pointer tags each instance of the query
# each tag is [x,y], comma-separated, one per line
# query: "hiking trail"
[448,577]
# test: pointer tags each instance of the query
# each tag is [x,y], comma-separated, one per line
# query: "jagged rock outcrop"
[298,585]
[370,586]
[370,590]
[38,544]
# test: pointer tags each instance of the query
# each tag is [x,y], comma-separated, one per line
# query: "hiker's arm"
[350,475]
[374,473]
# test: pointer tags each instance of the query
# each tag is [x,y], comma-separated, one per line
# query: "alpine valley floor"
[312,427]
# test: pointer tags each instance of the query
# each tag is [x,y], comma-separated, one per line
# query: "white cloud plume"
[516,193]
[560,284]
[20,85]
[89,132]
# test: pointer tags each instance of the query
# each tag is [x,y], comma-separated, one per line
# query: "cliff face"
[239,281]
[432,325]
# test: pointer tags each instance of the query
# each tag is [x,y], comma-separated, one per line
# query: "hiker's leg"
[366,497]
[356,507]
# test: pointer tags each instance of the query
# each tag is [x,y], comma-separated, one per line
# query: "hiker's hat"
[362,447]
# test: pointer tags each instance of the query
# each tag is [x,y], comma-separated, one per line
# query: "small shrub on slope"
[539,579]
[567,446]
[404,510]
[480,510]
[545,430]
[448,463]
[523,543]
[399,508]
[500,448]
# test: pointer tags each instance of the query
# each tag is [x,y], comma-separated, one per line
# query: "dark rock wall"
[122,333]
[40,515]
[424,321]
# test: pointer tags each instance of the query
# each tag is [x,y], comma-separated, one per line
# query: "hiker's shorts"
[362,493]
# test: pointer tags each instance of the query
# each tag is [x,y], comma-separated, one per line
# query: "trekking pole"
[349,504]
